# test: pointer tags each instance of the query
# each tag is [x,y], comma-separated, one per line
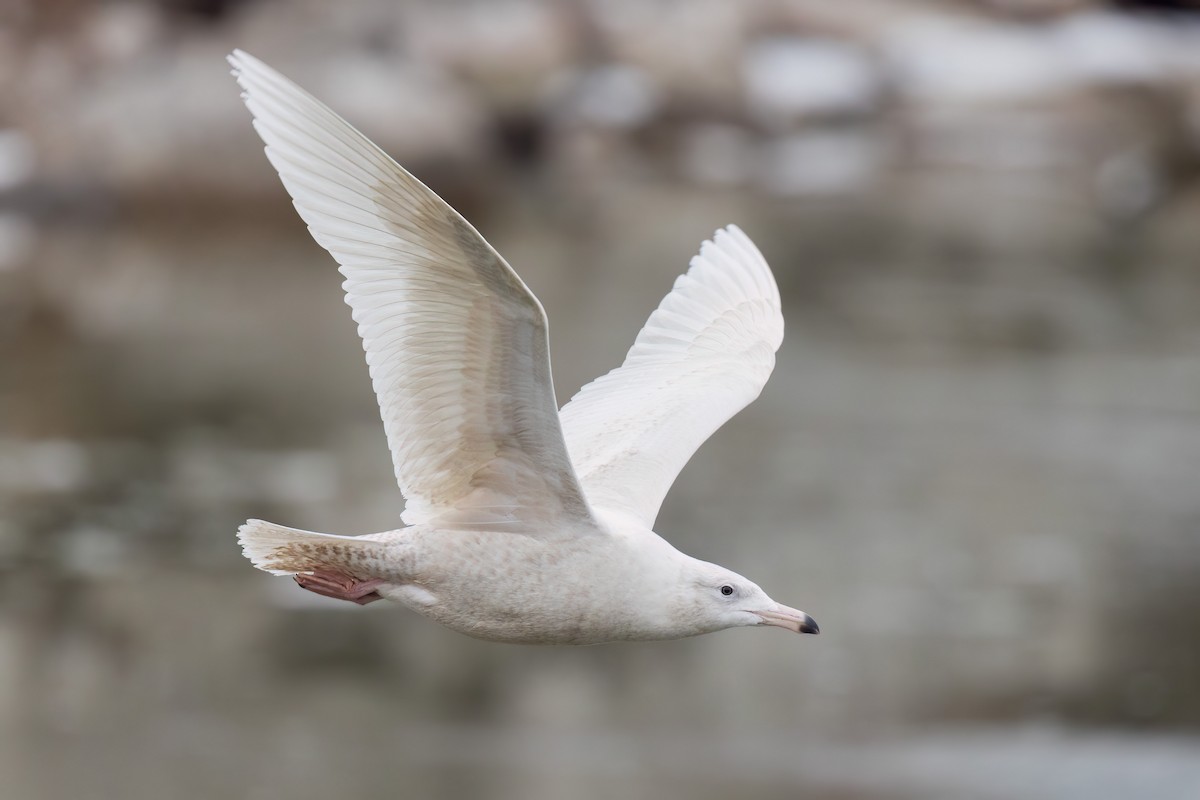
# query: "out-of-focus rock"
[957,63]
[42,466]
[17,163]
[718,154]
[93,551]
[170,124]
[1128,182]
[861,21]
[1038,9]
[974,62]
[821,162]
[1028,141]
[17,238]
[13,60]
[1191,119]
[206,473]
[316,635]
[417,110]
[117,32]
[557,692]
[613,96]
[507,48]
[301,477]
[788,79]
[1112,49]
[132,99]
[692,50]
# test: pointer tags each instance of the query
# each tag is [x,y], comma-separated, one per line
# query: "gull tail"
[287,551]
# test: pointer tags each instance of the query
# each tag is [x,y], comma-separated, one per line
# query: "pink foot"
[340,586]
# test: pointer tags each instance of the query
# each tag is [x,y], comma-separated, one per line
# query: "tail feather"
[280,550]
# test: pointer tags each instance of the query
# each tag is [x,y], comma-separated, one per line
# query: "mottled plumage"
[524,524]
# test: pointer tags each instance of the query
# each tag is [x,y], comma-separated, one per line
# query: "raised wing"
[704,354]
[455,342]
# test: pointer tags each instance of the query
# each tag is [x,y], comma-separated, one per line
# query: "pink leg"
[340,586]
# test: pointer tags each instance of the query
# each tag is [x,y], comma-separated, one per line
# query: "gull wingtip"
[244,63]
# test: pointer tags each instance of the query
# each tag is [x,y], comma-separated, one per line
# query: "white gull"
[523,523]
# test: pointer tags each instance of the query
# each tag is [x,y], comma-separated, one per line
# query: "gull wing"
[456,344]
[705,353]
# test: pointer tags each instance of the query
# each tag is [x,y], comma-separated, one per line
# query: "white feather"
[704,354]
[456,343]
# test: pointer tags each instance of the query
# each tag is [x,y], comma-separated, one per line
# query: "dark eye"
[727,590]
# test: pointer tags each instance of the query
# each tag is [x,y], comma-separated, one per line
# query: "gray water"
[975,466]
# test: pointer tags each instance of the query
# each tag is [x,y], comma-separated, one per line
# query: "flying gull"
[523,523]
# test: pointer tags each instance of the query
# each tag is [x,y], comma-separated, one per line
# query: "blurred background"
[977,463]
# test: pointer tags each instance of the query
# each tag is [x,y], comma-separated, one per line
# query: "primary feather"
[456,343]
[704,354]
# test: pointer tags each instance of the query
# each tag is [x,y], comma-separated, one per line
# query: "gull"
[522,523]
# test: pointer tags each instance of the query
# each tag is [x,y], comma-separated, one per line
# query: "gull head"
[715,598]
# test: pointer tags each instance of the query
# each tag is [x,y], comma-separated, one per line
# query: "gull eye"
[727,590]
